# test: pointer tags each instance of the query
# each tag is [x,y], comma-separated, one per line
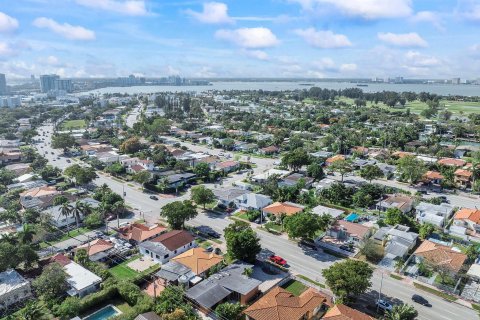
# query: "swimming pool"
[104,313]
[352,217]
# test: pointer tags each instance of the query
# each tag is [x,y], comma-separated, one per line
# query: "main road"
[308,263]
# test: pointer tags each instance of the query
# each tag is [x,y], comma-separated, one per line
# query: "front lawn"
[273,226]
[122,271]
[73,125]
[295,287]
[73,233]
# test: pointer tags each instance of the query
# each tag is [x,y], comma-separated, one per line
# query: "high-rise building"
[65,85]
[47,82]
[3,84]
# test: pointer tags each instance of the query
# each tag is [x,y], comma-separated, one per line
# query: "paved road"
[308,263]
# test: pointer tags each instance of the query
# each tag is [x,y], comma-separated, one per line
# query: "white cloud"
[250,38]
[213,13]
[416,59]
[6,50]
[325,64]
[323,38]
[65,30]
[469,9]
[366,9]
[257,54]
[428,17]
[411,39]
[348,67]
[126,7]
[7,23]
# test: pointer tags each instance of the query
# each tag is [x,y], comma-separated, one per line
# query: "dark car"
[213,234]
[154,198]
[307,244]
[420,300]
[347,248]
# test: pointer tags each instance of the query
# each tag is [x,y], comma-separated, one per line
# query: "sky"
[241,38]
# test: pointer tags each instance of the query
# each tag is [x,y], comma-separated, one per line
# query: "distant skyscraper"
[32,77]
[65,85]
[47,82]
[3,84]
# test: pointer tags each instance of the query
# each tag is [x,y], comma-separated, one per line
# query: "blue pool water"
[103,314]
[352,217]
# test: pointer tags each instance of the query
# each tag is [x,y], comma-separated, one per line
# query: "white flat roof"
[80,278]
[11,280]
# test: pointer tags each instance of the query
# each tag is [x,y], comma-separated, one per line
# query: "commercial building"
[47,82]
[10,102]
[63,85]
[3,84]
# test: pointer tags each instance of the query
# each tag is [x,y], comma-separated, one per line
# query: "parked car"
[209,249]
[154,198]
[278,260]
[420,300]
[68,161]
[384,305]
[307,244]
[213,234]
[347,248]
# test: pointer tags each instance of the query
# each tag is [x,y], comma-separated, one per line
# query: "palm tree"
[402,312]
[32,311]
[66,211]
[118,207]
[26,235]
[104,210]
[86,208]
[77,212]
[10,238]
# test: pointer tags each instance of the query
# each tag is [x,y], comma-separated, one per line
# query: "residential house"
[451,162]
[469,219]
[198,260]
[282,208]
[348,231]
[229,284]
[108,158]
[166,246]
[322,154]
[252,201]
[98,249]
[280,304]
[136,233]
[323,184]
[362,151]
[13,288]
[333,159]
[27,185]
[433,177]
[227,166]
[91,149]
[437,215]
[294,179]
[10,156]
[260,178]
[322,210]
[269,150]
[246,147]
[402,154]
[226,196]
[80,280]
[358,164]
[440,255]
[19,168]
[402,202]
[38,197]
[463,178]
[342,312]
[179,179]
[387,169]
[398,240]
[148,316]
[60,221]
[175,273]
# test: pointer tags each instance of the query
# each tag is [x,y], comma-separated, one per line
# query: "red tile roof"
[174,239]
[451,162]
[342,312]
[140,232]
[441,255]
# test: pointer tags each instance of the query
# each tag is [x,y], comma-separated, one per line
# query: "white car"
[384,305]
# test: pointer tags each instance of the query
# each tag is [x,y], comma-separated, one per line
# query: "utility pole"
[380,292]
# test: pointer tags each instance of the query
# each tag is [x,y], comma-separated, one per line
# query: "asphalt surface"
[308,263]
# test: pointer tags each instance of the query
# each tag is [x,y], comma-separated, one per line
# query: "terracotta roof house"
[401,154]
[166,246]
[97,249]
[39,197]
[227,166]
[440,255]
[279,304]
[463,178]
[198,260]
[402,202]
[269,150]
[451,162]
[279,208]
[348,231]
[139,232]
[331,160]
[342,312]
[469,219]
[433,177]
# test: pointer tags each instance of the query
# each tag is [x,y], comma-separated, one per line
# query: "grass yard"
[121,271]
[242,215]
[435,292]
[273,226]
[73,125]
[73,233]
[396,277]
[295,287]
[318,284]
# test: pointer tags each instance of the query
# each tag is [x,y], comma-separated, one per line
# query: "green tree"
[26,235]
[315,171]
[131,145]
[171,299]
[202,170]
[305,224]
[394,216]
[142,177]
[370,250]
[33,310]
[50,172]
[52,283]
[80,175]
[402,312]
[228,143]
[349,278]
[59,200]
[242,242]
[66,211]
[426,230]
[341,166]
[93,220]
[202,196]
[69,308]
[81,256]
[115,169]
[228,310]
[8,255]
[178,212]
[63,141]
[296,159]
[371,172]
[411,169]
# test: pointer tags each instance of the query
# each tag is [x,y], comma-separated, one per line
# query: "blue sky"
[241,38]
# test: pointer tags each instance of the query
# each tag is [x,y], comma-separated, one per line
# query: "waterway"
[441,89]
